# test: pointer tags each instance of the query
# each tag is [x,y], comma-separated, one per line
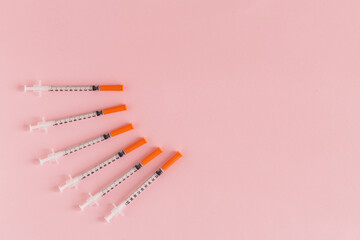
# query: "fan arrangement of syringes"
[73,181]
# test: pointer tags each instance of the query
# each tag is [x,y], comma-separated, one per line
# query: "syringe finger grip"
[171,161]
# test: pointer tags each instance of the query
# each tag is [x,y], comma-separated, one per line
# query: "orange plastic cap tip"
[114,109]
[151,156]
[135,145]
[122,130]
[171,161]
[111,87]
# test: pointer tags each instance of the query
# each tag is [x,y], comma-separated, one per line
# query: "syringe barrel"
[110,160]
[103,164]
[78,117]
[72,181]
[87,144]
[55,156]
[120,179]
[143,186]
[73,88]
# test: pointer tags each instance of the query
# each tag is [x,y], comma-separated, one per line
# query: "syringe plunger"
[52,157]
[41,125]
[37,88]
[91,200]
[115,211]
[70,183]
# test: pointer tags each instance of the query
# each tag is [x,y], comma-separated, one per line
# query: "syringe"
[39,88]
[94,199]
[73,181]
[44,125]
[54,156]
[118,209]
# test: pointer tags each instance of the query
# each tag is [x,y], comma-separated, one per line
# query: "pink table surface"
[261,97]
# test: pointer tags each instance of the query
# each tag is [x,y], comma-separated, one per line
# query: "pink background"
[261,97]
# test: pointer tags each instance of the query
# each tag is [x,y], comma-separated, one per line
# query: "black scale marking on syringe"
[73,88]
[77,118]
[120,180]
[143,187]
[87,144]
[103,164]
